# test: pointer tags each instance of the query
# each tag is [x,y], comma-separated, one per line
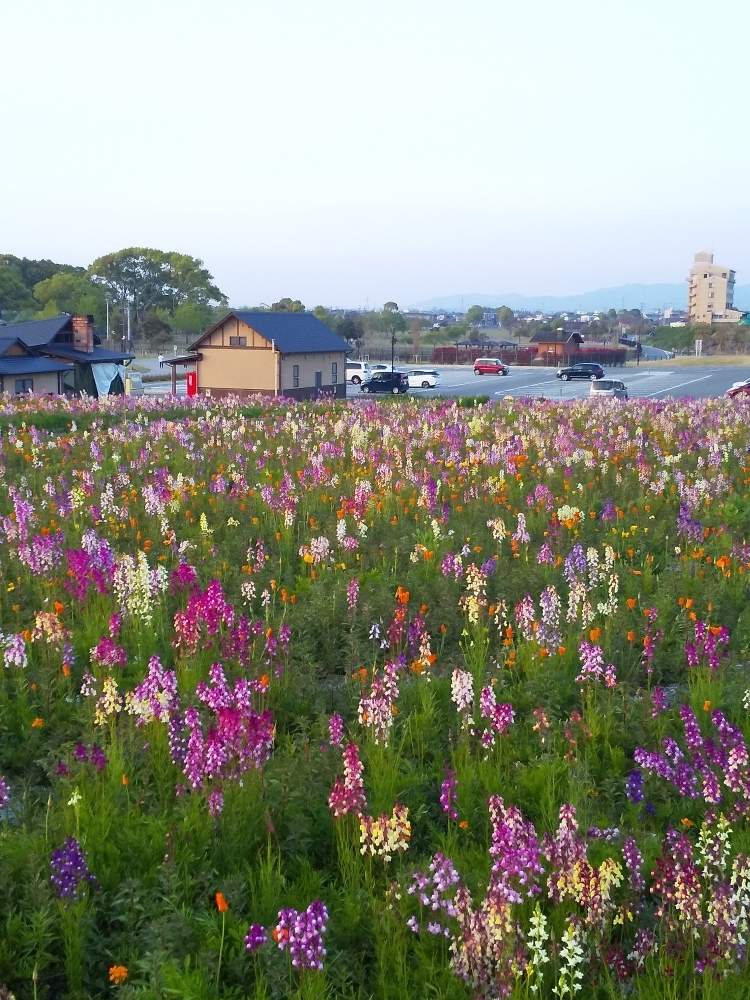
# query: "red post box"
[192,383]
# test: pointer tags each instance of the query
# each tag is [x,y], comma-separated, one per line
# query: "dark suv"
[580,371]
[394,382]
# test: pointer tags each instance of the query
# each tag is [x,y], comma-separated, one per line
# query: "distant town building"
[711,292]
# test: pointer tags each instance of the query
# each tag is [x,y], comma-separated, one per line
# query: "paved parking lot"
[642,382]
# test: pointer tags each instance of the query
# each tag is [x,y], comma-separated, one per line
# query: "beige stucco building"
[711,292]
[274,353]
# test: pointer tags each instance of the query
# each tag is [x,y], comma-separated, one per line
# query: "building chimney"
[83,333]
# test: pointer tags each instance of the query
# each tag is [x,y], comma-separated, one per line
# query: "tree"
[474,315]
[350,327]
[390,307]
[506,317]
[14,295]
[155,327]
[145,279]
[71,292]
[191,318]
[288,305]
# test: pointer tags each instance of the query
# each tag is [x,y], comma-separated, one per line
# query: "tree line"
[146,293]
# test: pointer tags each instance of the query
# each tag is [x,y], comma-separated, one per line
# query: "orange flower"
[58,608]
[561,650]
[631,602]
[221,902]
[630,635]
[714,629]
[464,824]
[686,822]
[402,595]
[124,780]
[706,705]
[66,670]
[595,634]
[37,723]
[118,974]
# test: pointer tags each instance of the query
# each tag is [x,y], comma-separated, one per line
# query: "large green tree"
[288,305]
[14,295]
[71,293]
[474,315]
[147,279]
[505,317]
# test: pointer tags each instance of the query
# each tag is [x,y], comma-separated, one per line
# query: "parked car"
[388,381]
[608,387]
[583,370]
[380,368]
[423,378]
[357,371]
[490,366]
[732,390]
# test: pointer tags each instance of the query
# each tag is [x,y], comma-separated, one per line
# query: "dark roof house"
[69,345]
[21,370]
[276,353]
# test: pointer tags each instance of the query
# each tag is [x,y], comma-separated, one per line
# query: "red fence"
[466,355]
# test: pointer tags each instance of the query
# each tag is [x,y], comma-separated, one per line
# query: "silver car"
[609,387]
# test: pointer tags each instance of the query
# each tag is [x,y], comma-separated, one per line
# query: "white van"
[357,371]
[609,387]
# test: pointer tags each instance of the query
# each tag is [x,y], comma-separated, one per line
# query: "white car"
[357,371]
[423,378]
[736,385]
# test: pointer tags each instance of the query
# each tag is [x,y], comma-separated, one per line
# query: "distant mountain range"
[647,297]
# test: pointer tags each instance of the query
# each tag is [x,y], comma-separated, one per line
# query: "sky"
[347,153]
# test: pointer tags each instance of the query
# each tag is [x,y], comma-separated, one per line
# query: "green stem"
[221,951]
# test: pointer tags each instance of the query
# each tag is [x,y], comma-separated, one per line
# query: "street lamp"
[393,348]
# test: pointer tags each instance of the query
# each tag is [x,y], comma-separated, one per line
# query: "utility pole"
[130,345]
[108,343]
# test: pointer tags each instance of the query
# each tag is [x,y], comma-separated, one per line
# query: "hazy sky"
[350,152]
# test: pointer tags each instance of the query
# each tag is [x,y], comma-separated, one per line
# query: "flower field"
[393,700]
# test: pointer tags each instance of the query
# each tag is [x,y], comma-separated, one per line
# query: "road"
[643,382]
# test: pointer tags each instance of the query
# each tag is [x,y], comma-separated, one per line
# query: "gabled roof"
[7,342]
[556,337]
[37,332]
[31,366]
[292,333]
[97,356]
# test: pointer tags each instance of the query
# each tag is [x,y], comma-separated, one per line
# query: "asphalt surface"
[643,382]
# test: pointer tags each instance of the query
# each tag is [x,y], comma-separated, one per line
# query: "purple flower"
[335,729]
[256,937]
[4,792]
[302,933]
[448,794]
[634,786]
[69,870]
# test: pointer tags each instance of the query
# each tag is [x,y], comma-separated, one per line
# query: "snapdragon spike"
[69,870]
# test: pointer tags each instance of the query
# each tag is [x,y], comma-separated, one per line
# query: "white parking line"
[527,385]
[679,385]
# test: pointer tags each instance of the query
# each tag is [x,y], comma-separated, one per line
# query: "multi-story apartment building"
[711,292]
